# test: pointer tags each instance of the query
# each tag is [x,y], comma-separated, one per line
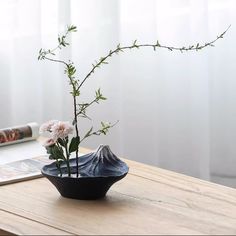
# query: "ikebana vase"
[98,171]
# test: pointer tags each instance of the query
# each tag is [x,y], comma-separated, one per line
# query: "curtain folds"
[175,111]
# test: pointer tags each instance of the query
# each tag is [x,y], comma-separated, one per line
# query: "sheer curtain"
[175,111]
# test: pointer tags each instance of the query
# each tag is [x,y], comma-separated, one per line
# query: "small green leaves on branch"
[70,70]
[61,43]
[99,96]
[62,39]
[59,147]
[156,45]
[82,110]
[71,28]
[105,127]
[75,93]
[43,53]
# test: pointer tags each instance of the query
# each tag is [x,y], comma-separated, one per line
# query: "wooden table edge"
[8,229]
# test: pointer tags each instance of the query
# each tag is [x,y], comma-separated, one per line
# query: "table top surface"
[148,200]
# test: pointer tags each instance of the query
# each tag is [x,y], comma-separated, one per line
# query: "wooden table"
[149,200]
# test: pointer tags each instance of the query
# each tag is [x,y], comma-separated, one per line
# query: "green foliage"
[60,151]
[61,142]
[55,152]
[71,28]
[62,39]
[105,126]
[70,70]
[99,96]
[74,144]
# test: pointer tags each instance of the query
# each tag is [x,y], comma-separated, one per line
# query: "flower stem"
[77,135]
[58,167]
[67,158]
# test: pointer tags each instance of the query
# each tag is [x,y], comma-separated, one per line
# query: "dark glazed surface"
[98,171]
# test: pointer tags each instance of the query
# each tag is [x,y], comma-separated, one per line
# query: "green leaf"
[74,144]
[61,142]
[72,28]
[75,93]
[102,98]
[58,152]
[49,149]
[103,124]
[55,153]
[51,157]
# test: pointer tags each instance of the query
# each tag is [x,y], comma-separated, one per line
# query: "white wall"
[176,111]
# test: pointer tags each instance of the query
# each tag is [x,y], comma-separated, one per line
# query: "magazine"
[19,134]
[22,169]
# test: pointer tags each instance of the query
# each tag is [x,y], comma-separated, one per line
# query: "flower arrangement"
[60,145]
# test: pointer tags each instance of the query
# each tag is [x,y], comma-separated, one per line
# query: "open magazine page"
[21,155]
[20,151]
[22,161]
[22,170]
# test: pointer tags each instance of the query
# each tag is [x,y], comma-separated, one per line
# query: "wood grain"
[12,224]
[148,201]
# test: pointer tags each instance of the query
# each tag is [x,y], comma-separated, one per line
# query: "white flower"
[49,142]
[61,130]
[46,127]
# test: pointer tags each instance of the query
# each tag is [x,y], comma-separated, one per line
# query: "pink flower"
[49,142]
[61,129]
[46,127]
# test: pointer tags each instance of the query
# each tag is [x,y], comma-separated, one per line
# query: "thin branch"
[55,60]
[105,128]
[154,46]
[86,106]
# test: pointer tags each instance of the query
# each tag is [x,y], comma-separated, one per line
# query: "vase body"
[98,171]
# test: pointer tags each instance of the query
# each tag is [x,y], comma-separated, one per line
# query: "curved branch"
[154,46]
[55,60]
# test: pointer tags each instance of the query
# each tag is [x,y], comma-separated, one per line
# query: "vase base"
[97,173]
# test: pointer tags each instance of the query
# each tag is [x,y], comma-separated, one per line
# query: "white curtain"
[175,111]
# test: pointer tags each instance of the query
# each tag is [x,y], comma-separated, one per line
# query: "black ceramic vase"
[98,171]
